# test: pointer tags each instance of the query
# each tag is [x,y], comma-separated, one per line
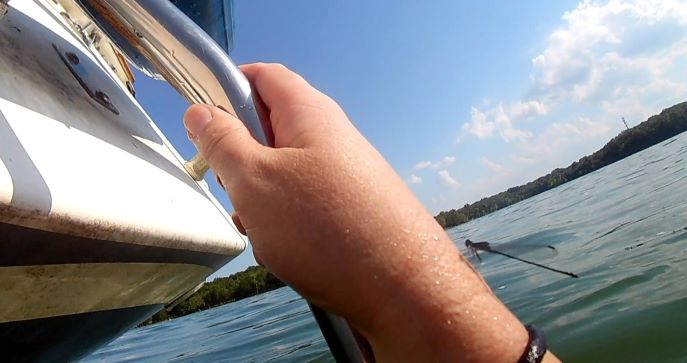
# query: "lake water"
[623,229]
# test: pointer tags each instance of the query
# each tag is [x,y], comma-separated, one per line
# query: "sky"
[464,98]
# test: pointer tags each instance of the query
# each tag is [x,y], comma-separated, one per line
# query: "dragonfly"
[475,247]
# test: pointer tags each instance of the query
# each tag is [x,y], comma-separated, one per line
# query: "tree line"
[253,281]
[657,128]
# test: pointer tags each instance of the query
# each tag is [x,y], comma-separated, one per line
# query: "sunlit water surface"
[623,229]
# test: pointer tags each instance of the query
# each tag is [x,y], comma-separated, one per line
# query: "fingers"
[294,106]
[277,85]
[221,139]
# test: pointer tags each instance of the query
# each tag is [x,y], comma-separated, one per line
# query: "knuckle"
[258,165]
[229,153]
[217,141]
[281,71]
[277,67]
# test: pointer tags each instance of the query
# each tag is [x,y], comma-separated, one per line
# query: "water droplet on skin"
[495,318]
[448,322]
[437,282]
[348,230]
[375,277]
[395,244]
[436,258]
[467,312]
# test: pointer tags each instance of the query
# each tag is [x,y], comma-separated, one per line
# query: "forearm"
[411,293]
[438,308]
[455,319]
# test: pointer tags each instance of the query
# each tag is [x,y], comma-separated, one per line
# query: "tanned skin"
[329,216]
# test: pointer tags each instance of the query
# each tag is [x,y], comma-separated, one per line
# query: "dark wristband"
[536,346]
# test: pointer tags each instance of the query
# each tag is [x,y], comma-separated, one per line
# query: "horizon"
[491,95]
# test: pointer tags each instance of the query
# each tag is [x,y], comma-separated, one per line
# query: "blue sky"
[465,98]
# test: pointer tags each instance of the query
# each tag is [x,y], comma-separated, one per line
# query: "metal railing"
[186,56]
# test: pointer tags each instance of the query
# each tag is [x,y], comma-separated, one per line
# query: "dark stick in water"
[484,246]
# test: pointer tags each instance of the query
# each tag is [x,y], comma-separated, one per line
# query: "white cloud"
[448,179]
[423,165]
[414,179]
[483,124]
[603,49]
[479,125]
[606,61]
[446,161]
[494,166]
[522,160]
[528,109]
[584,128]
[562,134]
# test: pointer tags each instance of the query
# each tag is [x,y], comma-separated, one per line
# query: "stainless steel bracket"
[4,7]
[187,57]
[85,79]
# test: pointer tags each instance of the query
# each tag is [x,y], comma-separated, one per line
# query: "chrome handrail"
[188,58]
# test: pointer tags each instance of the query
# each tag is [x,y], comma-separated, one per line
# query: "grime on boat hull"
[100,225]
[64,338]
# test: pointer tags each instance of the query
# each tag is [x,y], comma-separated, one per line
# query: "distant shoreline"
[253,281]
[670,122]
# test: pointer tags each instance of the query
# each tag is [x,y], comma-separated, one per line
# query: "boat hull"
[100,225]
[67,338]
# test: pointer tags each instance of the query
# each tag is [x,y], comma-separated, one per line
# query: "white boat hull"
[100,226]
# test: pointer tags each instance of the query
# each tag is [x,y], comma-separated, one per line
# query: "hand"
[294,200]
[328,215]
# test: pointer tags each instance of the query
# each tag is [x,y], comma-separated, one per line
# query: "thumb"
[222,139]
